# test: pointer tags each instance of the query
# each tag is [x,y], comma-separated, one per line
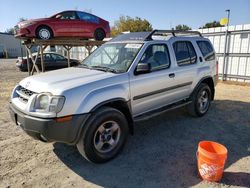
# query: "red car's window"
[70,15]
[87,17]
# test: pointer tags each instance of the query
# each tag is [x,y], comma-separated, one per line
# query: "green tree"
[183,27]
[211,24]
[126,23]
[11,30]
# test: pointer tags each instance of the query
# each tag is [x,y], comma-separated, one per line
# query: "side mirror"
[143,68]
[58,16]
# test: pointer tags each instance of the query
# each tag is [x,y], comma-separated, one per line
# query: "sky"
[162,14]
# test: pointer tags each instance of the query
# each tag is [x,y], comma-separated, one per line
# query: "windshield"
[113,57]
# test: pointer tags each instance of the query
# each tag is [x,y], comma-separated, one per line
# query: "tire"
[99,34]
[201,100]
[23,70]
[44,33]
[73,64]
[97,144]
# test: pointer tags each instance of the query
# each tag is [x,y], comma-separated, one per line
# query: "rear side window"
[184,53]
[88,17]
[206,50]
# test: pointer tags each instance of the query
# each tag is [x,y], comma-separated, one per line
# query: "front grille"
[24,94]
[26,91]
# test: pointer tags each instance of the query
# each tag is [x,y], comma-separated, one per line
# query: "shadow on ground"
[162,151]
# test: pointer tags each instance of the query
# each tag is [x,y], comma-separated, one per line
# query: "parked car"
[130,78]
[51,60]
[64,24]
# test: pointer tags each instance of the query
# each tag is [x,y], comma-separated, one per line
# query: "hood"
[58,81]
[31,21]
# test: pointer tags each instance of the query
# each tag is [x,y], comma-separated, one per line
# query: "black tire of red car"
[99,34]
[202,94]
[46,30]
[88,143]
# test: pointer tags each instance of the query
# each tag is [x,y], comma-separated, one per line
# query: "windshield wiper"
[105,69]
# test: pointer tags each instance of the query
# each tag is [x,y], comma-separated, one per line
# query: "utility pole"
[225,64]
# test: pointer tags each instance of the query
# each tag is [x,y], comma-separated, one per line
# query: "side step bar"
[161,110]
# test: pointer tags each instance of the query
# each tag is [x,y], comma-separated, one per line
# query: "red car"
[64,24]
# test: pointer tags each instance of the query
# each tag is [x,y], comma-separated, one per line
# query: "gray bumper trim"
[49,129]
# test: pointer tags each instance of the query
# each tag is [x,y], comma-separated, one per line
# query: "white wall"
[11,45]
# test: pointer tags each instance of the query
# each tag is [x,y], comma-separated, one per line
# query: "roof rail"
[172,32]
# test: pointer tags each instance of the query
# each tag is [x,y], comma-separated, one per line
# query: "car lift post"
[34,67]
[28,61]
[42,48]
[68,48]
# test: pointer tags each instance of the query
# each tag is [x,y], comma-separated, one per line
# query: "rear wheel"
[104,135]
[44,32]
[201,100]
[99,34]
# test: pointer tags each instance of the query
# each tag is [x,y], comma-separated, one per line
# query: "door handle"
[171,75]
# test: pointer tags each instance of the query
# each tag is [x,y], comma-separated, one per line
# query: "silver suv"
[130,78]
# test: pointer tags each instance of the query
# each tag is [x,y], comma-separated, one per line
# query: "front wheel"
[44,33]
[104,135]
[201,100]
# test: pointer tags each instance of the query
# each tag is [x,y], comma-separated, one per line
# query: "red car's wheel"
[99,34]
[44,32]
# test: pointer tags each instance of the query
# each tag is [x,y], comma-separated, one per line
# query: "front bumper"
[48,129]
[23,32]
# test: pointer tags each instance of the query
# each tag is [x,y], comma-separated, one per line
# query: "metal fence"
[237,51]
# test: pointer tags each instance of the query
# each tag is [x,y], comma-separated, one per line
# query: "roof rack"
[172,32]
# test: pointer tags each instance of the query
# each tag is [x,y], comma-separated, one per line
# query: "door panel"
[68,23]
[186,65]
[157,88]
[151,91]
[88,22]
[58,61]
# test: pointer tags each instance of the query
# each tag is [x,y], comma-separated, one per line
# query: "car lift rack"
[67,43]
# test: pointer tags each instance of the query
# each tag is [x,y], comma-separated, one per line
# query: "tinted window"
[157,56]
[57,57]
[184,53]
[88,17]
[46,57]
[206,50]
[70,15]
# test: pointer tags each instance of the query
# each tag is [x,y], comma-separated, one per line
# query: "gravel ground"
[162,153]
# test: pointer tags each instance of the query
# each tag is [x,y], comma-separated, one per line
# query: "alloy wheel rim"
[44,34]
[107,136]
[203,101]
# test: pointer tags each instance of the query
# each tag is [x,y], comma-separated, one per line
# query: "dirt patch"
[160,154]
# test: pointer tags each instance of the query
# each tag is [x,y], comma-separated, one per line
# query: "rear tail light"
[24,61]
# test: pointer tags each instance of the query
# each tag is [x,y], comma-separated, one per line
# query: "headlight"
[25,24]
[45,102]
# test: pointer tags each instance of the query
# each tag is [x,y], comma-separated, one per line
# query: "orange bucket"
[211,157]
